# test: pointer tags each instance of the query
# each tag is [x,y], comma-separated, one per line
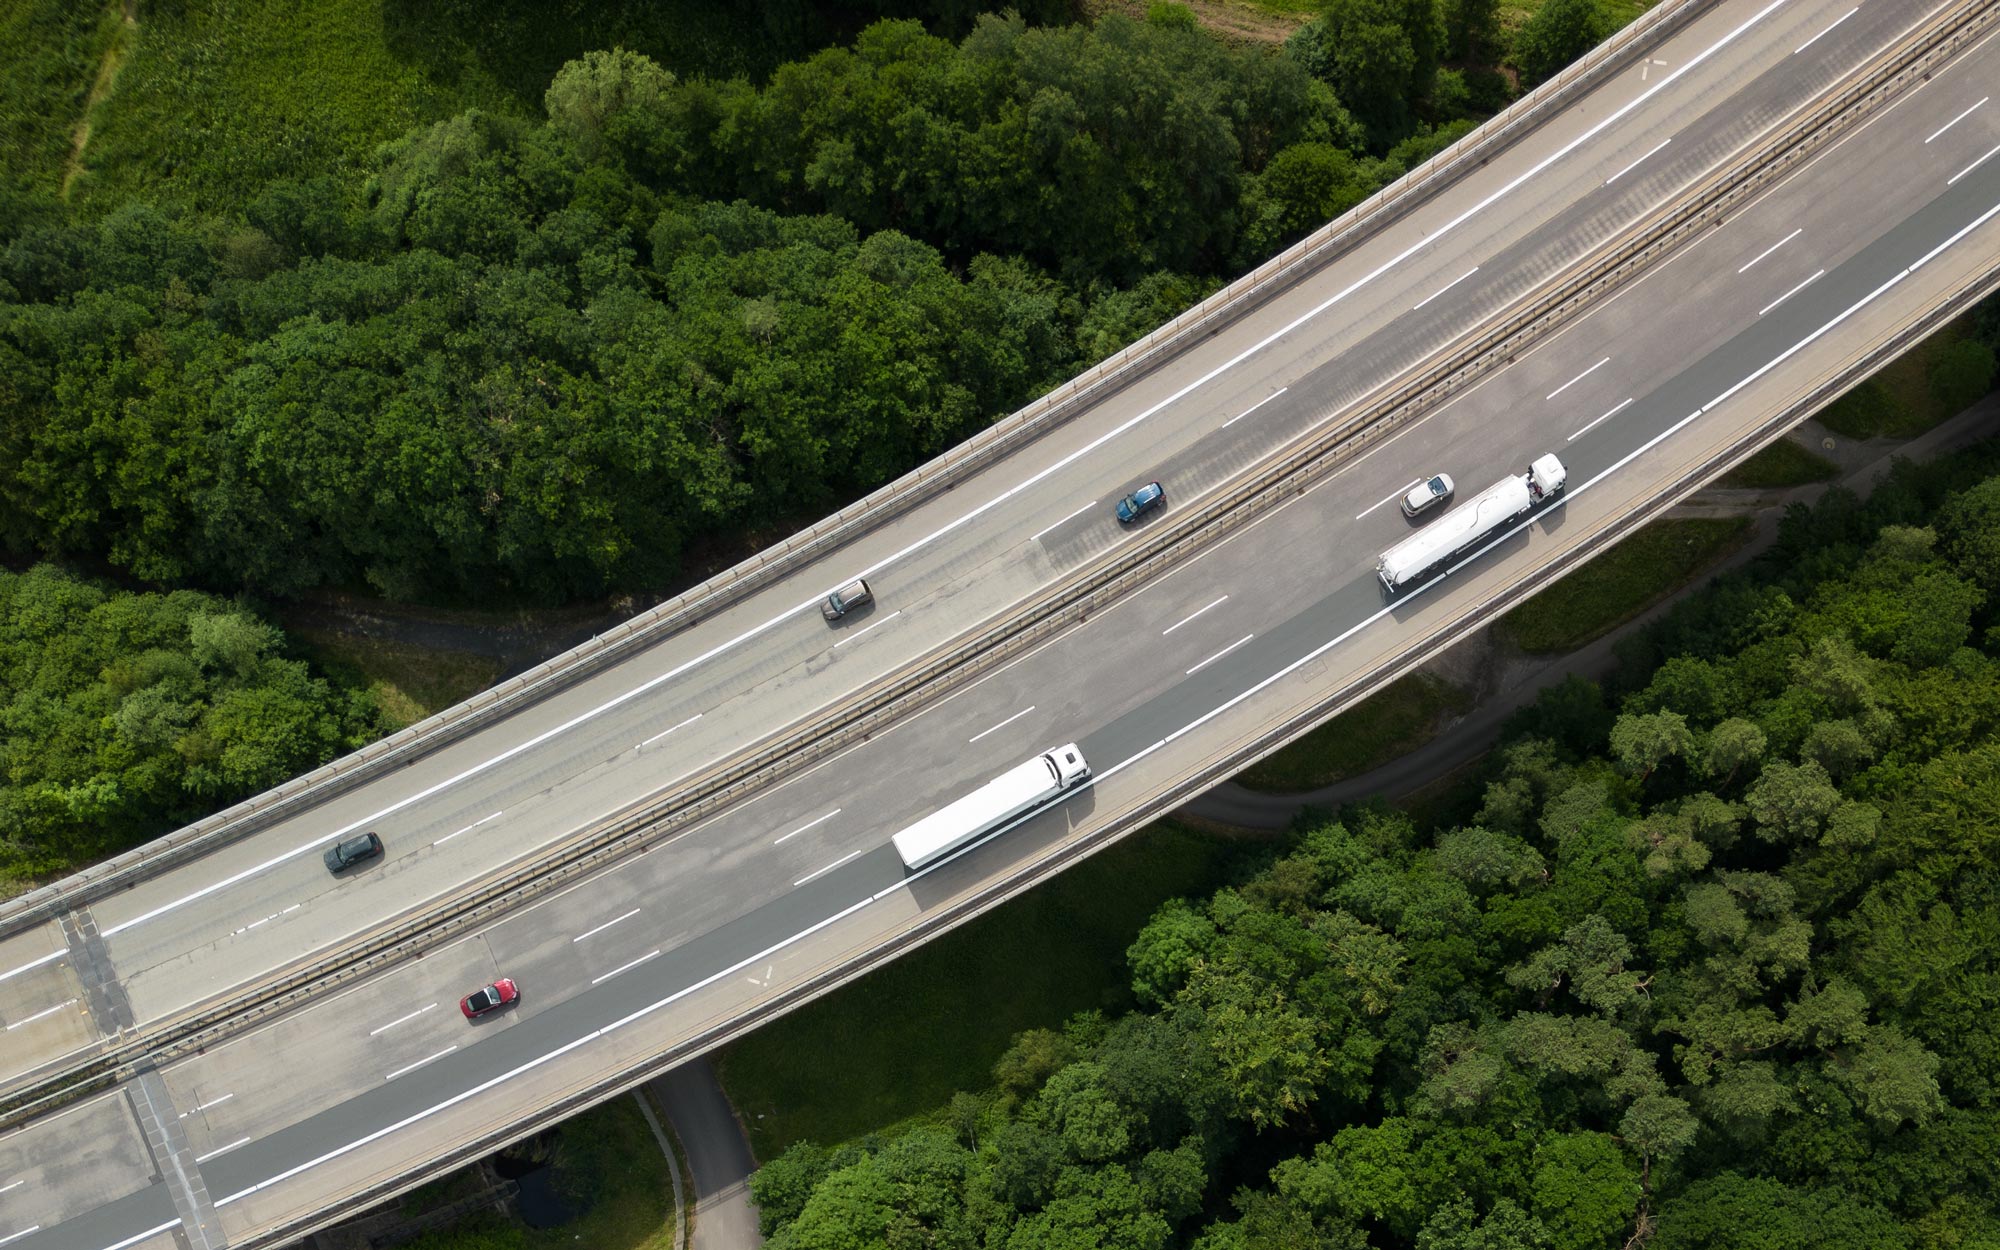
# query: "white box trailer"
[1470,521]
[1019,789]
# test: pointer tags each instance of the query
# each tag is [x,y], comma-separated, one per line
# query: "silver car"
[1429,493]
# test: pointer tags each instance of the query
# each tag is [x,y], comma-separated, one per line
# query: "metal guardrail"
[977,453]
[1282,474]
[1190,782]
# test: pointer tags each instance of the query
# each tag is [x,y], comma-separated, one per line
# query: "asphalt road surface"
[349,1089]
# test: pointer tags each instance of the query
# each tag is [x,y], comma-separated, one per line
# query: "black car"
[1140,502]
[345,854]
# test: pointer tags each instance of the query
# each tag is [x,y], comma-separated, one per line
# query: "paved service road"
[668,947]
[718,1157]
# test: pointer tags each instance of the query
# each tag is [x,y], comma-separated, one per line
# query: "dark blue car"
[1141,501]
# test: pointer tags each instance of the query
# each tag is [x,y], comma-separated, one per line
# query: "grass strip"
[1783,464]
[1623,582]
[906,1037]
[54,48]
[606,1162]
[409,682]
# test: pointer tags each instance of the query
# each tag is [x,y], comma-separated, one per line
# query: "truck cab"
[1546,478]
[1068,762]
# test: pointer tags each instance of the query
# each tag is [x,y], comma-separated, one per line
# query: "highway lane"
[265,919]
[1117,692]
[503,794]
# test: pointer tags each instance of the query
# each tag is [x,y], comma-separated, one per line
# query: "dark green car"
[345,854]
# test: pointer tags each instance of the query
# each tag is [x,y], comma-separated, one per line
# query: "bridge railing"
[926,482]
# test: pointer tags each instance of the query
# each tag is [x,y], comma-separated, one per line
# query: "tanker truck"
[1491,510]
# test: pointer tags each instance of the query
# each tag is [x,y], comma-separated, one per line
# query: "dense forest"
[1708,961]
[125,713]
[533,360]
[599,315]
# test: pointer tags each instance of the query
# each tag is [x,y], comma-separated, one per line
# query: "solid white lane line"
[15,1185]
[641,1013]
[812,824]
[38,1228]
[1961,117]
[1822,34]
[32,964]
[1794,291]
[463,1096]
[1218,655]
[1774,247]
[601,928]
[1190,616]
[222,1150]
[1071,517]
[624,967]
[1975,165]
[1635,164]
[1853,308]
[1563,501]
[871,625]
[468,829]
[1446,287]
[1981,220]
[1579,377]
[1469,214]
[368,1139]
[1606,417]
[577,1043]
[420,1063]
[1412,485]
[1254,407]
[401,1020]
[664,732]
[1002,725]
[821,872]
[38,1015]
[136,1238]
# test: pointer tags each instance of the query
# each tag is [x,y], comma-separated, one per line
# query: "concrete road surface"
[673,947]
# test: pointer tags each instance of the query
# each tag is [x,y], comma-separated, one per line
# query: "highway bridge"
[1652,267]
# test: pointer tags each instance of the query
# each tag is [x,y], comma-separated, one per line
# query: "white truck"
[1019,789]
[1479,516]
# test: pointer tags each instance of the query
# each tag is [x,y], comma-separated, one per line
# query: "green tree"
[1961,372]
[1969,524]
[1378,55]
[1559,32]
[1585,1190]
[1733,1210]
[589,93]
[1472,28]
[1304,187]
[1791,802]
[1643,742]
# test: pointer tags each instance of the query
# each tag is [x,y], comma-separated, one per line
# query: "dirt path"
[100,87]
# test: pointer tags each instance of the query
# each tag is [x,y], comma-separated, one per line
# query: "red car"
[492,998]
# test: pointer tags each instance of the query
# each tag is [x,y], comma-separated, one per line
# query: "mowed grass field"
[220,97]
[52,51]
[214,99]
[1623,582]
